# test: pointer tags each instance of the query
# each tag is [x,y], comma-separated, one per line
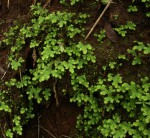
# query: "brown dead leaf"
[110,33]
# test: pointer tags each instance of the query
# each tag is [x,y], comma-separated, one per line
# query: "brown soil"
[53,122]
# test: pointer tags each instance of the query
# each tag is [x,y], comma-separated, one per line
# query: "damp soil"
[53,121]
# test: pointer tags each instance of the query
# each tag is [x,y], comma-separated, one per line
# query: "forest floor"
[59,122]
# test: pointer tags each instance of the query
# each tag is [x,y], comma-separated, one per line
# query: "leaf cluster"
[122,30]
[111,106]
[53,39]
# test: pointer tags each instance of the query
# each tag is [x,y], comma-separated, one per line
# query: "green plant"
[116,17]
[111,107]
[147,6]
[72,2]
[148,14]
[16,128]
[112,65]
[4,102]
[139,51]
[54,37]
[100,36]
[121,56]
[132,8]
[122,30]
[9,133]
[104,1]
[17,125]
[115,64]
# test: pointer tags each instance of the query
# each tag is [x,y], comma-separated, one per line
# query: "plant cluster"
[132,8]
[112,106]
[146,4]
[139,52]
[100,36]
[122,30]
[52,38]
[73,2]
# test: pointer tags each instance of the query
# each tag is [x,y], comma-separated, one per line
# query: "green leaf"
[9,133]
[105,1]
[47,94]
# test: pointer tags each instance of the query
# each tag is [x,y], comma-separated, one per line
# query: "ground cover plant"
[106,78]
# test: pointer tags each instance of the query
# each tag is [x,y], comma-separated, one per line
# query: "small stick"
[101,15]
[48,2]
[5,72]
[47,131]
[8,2]
[20,75]
[66,136]
[39,125]
[55,93]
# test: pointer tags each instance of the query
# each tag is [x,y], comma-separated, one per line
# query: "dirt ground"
[59,122]
[53,122]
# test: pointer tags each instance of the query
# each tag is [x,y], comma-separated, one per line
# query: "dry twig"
[8,3]
[39,116]
[46,131]
[5,72]
[55,92]
[65,136]
[101,15]
[48,2]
